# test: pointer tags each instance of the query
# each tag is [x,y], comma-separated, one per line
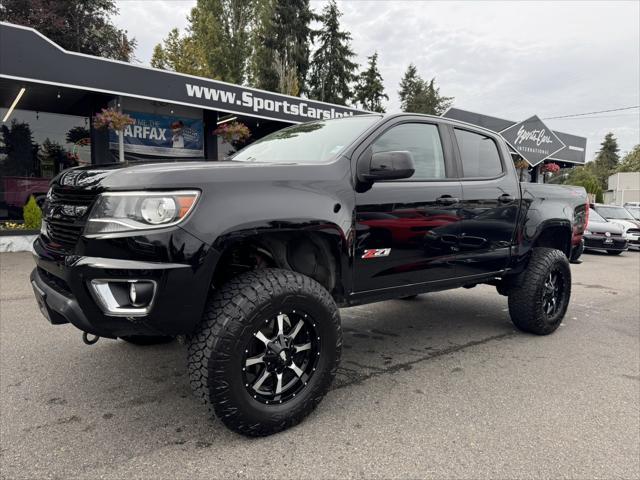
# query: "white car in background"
[634,209]
[622,217]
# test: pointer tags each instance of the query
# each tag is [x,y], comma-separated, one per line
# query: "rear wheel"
[614,252]
[266,351]
[143,340]
[539,300]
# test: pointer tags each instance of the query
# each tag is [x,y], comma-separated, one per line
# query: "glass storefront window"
[34,147]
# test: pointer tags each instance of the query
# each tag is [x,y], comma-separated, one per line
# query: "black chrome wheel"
[281,357]
[539,296]
[552,293]
[266,351]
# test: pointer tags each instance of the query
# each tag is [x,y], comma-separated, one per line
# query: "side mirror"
[387,166]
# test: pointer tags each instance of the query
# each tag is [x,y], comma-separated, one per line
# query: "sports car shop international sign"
[533,140]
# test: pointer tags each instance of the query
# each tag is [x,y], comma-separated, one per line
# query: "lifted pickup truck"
[249,259]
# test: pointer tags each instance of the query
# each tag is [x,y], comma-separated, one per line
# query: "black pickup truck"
[249,259]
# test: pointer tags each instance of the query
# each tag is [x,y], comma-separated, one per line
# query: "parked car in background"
[622,217]
[601,234]
[634,209]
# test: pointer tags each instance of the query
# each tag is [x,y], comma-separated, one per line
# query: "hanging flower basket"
[112,119]
[521,164]
[550,168]
[233,132]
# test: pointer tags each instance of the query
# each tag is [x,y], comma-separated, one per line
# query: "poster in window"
[161,135]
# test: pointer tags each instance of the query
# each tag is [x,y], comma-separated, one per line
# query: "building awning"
[530,138]
[27,55]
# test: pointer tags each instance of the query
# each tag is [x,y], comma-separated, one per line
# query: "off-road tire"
[614,252]
[144,340]
[231,315]
[526,297]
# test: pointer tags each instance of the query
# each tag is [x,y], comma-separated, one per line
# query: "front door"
[406,230]
[491,201]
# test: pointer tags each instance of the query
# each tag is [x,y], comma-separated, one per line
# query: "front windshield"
[615,212]
[593,215]
[313,142]
[635,211]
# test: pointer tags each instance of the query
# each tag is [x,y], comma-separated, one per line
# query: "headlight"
[130,211]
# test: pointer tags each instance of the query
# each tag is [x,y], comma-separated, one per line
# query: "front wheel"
[266,351]
[539,300]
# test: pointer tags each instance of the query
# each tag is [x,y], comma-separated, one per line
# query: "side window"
[423,141]
[480,157]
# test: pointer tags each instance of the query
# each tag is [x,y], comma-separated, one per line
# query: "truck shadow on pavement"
[148,387]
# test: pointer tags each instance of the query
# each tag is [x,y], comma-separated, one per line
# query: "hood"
[182,174]
[604,227]
[625,224]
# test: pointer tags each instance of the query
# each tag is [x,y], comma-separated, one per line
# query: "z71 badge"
[376,252]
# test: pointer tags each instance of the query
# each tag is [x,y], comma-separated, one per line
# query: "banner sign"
[533,140]
[161,135]
[27,55]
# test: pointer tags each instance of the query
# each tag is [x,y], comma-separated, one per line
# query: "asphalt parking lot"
[438,387]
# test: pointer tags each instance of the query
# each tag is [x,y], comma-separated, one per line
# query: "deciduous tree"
[281,38]
[78,25]
[631,161]
[221,32]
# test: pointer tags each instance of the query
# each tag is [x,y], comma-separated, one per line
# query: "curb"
[16,243]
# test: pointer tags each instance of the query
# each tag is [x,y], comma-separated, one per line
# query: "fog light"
[140,293]
[124,298]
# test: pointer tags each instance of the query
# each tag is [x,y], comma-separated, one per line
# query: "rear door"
[406,230]
[490,202]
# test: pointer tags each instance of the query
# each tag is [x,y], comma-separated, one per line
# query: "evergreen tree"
[332,70]
[606,160]
[221,31]
[608,154]
[418,96]
[77,25]
[280,59]
[369,90]
[410,86]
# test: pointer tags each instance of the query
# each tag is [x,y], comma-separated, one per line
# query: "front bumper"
[634,241]
[62,286]
[600,242]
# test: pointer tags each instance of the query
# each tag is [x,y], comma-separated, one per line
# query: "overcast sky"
[510,60]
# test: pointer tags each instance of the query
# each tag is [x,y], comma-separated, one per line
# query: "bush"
[32,215]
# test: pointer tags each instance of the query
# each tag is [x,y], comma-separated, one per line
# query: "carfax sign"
[162,135]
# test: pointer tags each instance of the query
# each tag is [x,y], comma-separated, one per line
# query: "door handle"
[446,200]
[506,198]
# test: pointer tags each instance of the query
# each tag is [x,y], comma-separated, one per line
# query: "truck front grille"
[66,212]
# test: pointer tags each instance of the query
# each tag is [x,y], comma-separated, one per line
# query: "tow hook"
[89,341]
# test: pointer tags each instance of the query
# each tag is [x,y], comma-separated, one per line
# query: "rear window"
[479,153]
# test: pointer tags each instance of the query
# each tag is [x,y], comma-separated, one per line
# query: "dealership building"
[49,98]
